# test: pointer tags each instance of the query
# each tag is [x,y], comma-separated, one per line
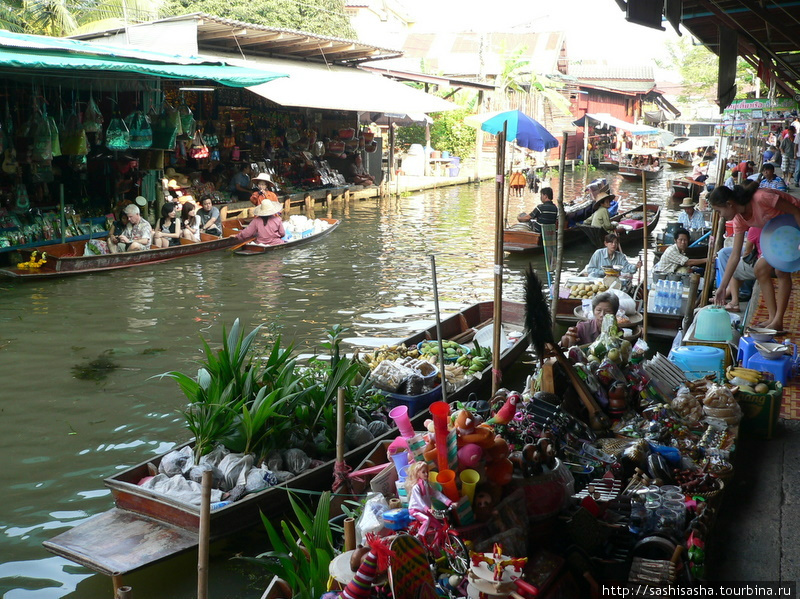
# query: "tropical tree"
[66,17]
[325,17]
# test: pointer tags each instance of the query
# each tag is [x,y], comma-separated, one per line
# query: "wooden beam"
[732,23]
[228,32]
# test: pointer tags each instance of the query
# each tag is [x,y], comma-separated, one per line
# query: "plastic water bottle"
[658,299]
[673,291]
[677,291]
[219,505]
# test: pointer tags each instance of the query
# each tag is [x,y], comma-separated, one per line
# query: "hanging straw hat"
[687,203]
[602,198]
[267,208]
[141,201]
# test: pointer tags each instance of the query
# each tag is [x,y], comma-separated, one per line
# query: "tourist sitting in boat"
[266,226]
[137,234]
[691,218]
[264,189]
[674,258]
[116,229]
[190,221]
[210,221]
[359,174]
[601,217]
[748,206]
[609,257]
[168,227]
[587,331]
[545,213]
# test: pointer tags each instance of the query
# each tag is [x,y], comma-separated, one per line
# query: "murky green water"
[78,357]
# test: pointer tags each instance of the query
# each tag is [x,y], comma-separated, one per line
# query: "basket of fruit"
[452,350]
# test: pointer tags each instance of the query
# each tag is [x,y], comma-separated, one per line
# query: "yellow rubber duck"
[23,265]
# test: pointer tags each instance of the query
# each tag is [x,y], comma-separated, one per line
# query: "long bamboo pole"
[560,225]
[717,228]
[442,371]
[204,533]
[644,259]
[498,258]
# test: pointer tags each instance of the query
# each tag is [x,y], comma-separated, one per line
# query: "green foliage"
[450,134]
[325,17]
[301,552]
[65,17]
[698,68]
[412,134]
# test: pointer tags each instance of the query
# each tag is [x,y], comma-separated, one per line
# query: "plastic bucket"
[698,360]
[729,228]
[453,171]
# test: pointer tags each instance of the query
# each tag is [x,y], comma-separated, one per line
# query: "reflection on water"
[60,435]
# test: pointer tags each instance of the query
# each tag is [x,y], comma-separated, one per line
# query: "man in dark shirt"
[545,213]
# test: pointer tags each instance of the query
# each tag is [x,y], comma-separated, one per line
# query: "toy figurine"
[421,494]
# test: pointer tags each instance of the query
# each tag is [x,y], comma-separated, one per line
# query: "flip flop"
[731,307]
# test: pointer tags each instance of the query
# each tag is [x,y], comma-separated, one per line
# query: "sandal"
[731,307]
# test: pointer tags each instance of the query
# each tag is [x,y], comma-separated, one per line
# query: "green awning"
[226,75]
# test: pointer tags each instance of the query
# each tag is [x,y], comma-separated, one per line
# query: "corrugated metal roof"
[457,54]
[24,41]
[594,71]
[637,87]
[228,35]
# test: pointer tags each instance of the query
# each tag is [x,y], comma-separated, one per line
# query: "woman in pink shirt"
[266,226]
[748,206]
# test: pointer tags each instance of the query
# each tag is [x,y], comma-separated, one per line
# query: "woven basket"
[712,497]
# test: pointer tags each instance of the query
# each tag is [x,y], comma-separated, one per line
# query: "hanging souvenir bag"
[210,135]
[199,149]
[235,154]
[165,128]
[229,140]
[55,141]
[118,137]
[141,131]
[92,117]
[215,155]
[42,145]
[188,124]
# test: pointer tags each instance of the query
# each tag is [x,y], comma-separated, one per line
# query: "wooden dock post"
[287,206]
[204,535]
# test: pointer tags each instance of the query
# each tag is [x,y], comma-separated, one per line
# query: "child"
[421,494]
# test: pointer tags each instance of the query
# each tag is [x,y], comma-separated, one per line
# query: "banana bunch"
[748,374]
[476,360]
[389,352]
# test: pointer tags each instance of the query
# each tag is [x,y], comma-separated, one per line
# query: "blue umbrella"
[522,129]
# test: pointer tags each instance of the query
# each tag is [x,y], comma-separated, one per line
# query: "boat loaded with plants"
[262,423]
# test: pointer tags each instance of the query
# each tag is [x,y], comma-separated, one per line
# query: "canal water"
[80,359]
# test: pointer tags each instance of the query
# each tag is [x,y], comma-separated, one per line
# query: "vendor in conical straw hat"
[266,226]
[264,190]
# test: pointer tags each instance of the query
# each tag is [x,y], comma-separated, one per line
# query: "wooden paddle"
[238,245]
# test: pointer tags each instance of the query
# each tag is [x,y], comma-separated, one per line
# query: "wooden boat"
[633,173]
[520,238]
[65,259]
[685,187]
[608,164]
[628,237]
[258,250]
[146,527]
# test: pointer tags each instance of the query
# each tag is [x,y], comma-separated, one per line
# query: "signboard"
[762,108]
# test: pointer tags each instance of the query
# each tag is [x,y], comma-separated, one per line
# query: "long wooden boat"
[627,237]
[632,173]
[66,259]
[258,250]
[147,527]
[521,239]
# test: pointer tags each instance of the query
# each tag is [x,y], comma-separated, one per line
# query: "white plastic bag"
[371,519]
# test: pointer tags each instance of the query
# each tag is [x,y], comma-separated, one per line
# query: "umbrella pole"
[498,258]
[644,259]
[507,188]
[585,151]
[562,222]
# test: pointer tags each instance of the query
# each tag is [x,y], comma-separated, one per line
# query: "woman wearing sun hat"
[264,185]
[601,218]
[266,226]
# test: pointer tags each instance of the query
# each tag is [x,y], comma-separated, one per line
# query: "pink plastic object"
[403,422]
[470,455]
[447,478]
[440,411]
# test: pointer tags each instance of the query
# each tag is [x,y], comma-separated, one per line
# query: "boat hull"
[521,241]
[154,510]
[635,174]
[683,188]
[259,250]
[67,259]
[597,235]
